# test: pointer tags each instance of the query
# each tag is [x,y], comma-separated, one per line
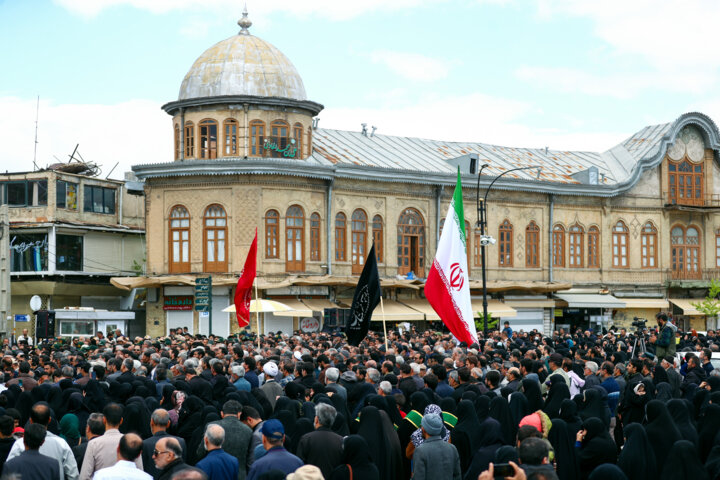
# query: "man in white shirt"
[128,450]
[53,447]
[25,338]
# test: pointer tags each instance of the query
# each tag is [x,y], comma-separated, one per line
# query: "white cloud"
[331,9]
[413,66]
[623,85]
[131,132]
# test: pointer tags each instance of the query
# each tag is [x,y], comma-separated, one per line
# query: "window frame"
[257,138]
[696,181]
[576,242]
[620,239]
[64,192]
[208,148]
[378,227]
[558,247]
[505,244]
[294,238]
[230,138]
[689,253]
[532,245]
[176,141]
[340,237]
[189,139]
[593,247]
[218,231]
[105,204]
[649,246]
[315,237]
[280,141]
[59,254]
[407,230]
[184,244]
[297,134]
[358,240]
[272,234]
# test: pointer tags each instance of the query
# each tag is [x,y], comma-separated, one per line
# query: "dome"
[242,65]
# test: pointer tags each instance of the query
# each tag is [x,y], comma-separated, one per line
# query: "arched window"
[575,249]
[230,138]
[294,234]
[358,240]
[179,237]
[176,143]
[340,237]
[686,183]
[648,246]
[215,235]
[505,244]
[189,140]
[532,245]
[411,243]
[208,138]
[280,137]
[257,138]
[377,232]
[477,248]
[315,237]
[593,247]
[272,224]
[298,137]
[685,252]
[620,245]
[558,247]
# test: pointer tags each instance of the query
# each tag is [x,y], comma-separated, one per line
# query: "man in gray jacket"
[435,458]
[238,436]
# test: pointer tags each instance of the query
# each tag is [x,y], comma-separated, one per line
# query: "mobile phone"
[503,470]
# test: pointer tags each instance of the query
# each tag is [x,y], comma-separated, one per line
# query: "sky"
[563,74]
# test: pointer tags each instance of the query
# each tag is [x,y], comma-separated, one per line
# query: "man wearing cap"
[271,388]
[276,458]
[435,458]
[555,362]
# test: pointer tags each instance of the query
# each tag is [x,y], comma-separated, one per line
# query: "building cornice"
[313,108]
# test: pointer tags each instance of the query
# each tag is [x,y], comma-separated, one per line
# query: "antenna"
[364,129]
[111,170]
[37,114]
[372,133]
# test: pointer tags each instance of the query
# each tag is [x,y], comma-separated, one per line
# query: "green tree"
[711,305]
[492,323]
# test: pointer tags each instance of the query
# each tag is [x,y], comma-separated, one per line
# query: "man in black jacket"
[695,373]
[168,458]
[31,464]
[7,425]
[323,447]
[159,422]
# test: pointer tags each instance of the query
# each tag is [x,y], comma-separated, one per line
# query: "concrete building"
[68,235]
[587,239]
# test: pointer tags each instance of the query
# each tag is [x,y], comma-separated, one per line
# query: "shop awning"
[298,309]
[396,312]
[422,305]
[650,303]
[92,314]
[319,304]
[590,300]
[534,303]
[496,308]
[686,306]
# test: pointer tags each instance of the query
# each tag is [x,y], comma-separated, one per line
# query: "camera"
[639,322]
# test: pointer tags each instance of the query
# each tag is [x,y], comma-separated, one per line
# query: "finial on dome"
[244,22]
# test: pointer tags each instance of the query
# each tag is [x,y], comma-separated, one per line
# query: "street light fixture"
[486,240]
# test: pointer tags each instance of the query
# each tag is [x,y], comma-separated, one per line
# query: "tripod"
[639,344]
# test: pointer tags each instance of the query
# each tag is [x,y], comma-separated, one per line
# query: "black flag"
[367,297]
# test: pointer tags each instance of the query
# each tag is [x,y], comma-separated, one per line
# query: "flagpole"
[257,311]
[382,310]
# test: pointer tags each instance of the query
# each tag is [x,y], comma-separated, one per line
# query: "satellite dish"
[35,303]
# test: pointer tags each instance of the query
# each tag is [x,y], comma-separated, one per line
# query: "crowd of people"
[572,405]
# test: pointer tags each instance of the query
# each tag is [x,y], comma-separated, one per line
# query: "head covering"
[306,472]
[531,390]
[466,435]
[273,429]
[680,412]
[593,405]
[417,436]
[384,447]
[500,411]
[432,424]
[597,447]
[684,463]
[558,392]
[712,465]
[608,471]
[661,431]
[708,429]
[356,454]
[564,447]
[518,406]
[637,446]
[270,368]
[69,429]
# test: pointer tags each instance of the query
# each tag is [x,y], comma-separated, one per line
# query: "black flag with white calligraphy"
[367,297]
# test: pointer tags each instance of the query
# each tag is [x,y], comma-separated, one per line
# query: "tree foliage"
[711,305]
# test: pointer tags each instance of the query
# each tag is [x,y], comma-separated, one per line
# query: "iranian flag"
[447,287]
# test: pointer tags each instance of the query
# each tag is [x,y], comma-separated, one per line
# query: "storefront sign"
[309,325]
[558,312]
[178,302]
[289,151]
[203,291]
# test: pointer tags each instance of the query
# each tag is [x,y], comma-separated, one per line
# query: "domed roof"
[242,65]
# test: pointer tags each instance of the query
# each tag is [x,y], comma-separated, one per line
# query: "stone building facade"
[628,231]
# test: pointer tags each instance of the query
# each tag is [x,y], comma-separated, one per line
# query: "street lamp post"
[486,240]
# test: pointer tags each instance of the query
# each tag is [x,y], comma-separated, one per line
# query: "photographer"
[666,339]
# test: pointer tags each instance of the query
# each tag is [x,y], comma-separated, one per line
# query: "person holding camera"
[666,338]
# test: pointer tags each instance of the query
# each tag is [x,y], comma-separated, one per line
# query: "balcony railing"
[703,275]
[708,200]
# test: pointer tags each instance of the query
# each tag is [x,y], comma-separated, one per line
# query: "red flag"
[243,291]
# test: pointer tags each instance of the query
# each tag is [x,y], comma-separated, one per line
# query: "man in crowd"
[159,423]
[217,464]
[102,452]
[128,450]
[237,435]
[323,447]
[31,464]
[276,458]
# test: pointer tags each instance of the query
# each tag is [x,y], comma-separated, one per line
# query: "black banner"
[366,298]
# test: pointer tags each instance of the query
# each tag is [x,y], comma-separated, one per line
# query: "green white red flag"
[448,287]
